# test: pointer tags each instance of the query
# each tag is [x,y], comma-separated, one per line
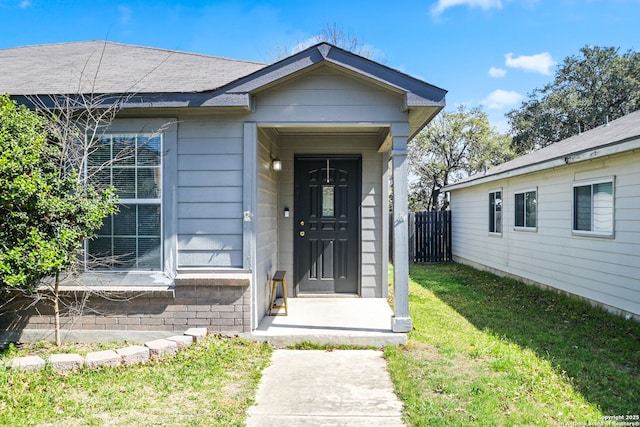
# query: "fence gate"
[430,236]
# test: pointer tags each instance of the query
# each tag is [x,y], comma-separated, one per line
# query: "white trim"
[591,182]
[525,228]
[166,128]
[562,161]
[496,233]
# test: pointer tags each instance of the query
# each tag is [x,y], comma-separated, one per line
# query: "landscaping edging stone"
[129,355]
[27,363]
[161,347]
[66,362]
[134,354]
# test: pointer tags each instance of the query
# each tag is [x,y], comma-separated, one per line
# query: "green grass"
[211,384]
[484,351]
[492,351]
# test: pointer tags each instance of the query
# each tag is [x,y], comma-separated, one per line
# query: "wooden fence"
[429,236]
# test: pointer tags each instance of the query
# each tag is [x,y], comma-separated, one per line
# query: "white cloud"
[497,72]
[540,63]
[305,44]
[500,99]
[24,4]
[443,5]
[125,14]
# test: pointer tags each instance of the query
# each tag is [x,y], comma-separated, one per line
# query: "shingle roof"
[615,132]
[107,67]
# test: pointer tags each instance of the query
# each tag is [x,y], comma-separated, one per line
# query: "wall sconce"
[276,164]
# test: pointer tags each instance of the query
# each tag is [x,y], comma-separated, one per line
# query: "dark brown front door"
[327,224]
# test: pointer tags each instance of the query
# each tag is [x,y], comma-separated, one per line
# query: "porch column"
[249,203]
[400,322]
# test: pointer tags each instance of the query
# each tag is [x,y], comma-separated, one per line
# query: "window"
[495,212]
[526,209]
[593,208]
[130,239]
[328,203]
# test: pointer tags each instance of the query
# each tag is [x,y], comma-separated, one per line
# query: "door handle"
[302,234]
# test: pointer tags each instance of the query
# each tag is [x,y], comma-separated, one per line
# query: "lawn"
[484,351]
[492,351]
[211,384]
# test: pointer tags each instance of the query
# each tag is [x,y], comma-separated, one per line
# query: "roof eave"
[618,147]
[141,100]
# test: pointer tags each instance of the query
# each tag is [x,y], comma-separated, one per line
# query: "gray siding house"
[206,217]
[565,217]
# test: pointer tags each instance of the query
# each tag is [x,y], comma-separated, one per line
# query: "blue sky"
[488,53]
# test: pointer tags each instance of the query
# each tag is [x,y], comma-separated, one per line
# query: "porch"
[343,321]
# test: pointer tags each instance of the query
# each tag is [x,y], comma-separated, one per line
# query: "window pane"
[148,151]
[124,180]
[100,178]
[100,247]
[124,251]
[101,155]
[149,253]
[106,230]
[519,216]
[603,207]
[492,212]
[328,204]
[149,183]
[149,220]
[582,208]
[132,237]
[531,207]
[498,213]
[124,150]
[124,222]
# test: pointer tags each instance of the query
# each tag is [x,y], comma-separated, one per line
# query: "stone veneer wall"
[221,305]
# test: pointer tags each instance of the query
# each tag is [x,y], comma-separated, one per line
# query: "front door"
[327,224]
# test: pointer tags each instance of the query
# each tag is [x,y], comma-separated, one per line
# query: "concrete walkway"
[326,388]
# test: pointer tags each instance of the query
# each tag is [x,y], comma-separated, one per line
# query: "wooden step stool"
[278,278]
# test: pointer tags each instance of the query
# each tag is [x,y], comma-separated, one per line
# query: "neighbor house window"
[593,208]
[130,239]
[495,212]
[526,209]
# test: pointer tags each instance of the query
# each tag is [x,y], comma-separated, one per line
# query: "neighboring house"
[205,218]
[566,216]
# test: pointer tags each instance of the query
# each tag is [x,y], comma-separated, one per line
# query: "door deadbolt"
[301,222]
[302,234]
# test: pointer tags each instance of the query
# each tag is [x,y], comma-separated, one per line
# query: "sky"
[486,53]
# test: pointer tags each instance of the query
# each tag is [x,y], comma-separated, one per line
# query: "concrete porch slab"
[343,321]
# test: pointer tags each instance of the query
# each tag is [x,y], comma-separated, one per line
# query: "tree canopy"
[588,89]
[454,145]
[46,208]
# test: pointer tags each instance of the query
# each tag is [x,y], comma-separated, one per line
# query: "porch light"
[276,164]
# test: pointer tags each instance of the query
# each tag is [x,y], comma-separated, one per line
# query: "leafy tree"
[588,89]
[454,145]
[46,208]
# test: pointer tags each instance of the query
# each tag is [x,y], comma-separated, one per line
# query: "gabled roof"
[157,78]
[617,136]
[106,67]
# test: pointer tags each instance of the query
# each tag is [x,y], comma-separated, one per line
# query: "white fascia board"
[595,153]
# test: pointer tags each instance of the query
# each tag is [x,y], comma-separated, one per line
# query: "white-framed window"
[132,238]
[495,212]
[593,207]
[526,210]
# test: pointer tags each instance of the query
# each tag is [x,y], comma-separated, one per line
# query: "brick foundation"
[219,304]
